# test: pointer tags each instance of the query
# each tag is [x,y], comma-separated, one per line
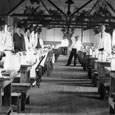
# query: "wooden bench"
[15,101]
[104,86]
[5,110]
[22,88]
[39,71]
[94,78]
[103,90]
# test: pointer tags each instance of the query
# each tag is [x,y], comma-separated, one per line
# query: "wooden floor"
[67,91]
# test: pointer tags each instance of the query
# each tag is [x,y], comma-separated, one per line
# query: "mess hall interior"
[57,57]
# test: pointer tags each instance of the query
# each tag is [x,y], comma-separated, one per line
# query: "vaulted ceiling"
[61,13]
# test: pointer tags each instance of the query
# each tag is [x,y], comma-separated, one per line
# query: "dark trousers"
[73,53]
[64,50]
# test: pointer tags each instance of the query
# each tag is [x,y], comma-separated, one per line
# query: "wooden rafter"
[15,7]
[81,7]
[9,4]
[111,7]
[57,7]
[35,16]
[93,7]
[44,6]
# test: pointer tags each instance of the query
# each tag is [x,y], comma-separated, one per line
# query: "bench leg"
[19,105]
[111,110]
[23,101]
[28,100]
[102,91]
[90,72]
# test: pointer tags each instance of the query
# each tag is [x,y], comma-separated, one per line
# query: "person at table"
[64,45]
[2,39]
[18,38]
[75,47]
[35,40]
[97,38]
[8,41]
[27,39]
[32,37]
[105,41]
[40,43]
[113,38]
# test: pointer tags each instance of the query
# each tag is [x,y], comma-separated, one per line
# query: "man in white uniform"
[8,41]
[105,41]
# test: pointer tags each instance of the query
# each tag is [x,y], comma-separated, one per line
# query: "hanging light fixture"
[69,2]
[32,1]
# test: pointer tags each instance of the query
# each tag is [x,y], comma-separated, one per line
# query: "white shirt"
[105,42]
[8,41]
[113,38]
[64,43]
[32,36]
[2,38]
[27,42]
[41,42]
[76,45]
[96,40]
[35,39]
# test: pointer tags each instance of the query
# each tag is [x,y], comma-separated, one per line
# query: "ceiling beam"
[44,6]
[64,23]
[81,7]
[58,26]
[57,17]
[110,6]
[10,4]
[15,7]
[73,24]
[35,16]
[93,7]
[57,7]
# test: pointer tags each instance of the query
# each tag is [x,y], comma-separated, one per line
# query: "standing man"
[105,42]
[27,39]
[18,38]
[64,45]
[75,47]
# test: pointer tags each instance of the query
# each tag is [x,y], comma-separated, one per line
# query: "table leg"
[0,97]
[25,77]
[111,110]
[7,96]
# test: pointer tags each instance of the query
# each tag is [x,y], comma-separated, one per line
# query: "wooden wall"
[53,36]
[88,37]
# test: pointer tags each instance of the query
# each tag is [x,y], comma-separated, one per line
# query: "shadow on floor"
[66,91]
[70,82]
[67,102]
[90,95]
